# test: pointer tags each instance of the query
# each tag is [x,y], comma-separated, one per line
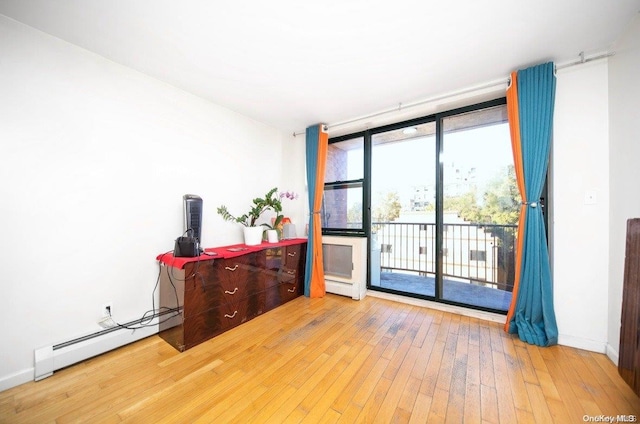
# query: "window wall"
[437,199]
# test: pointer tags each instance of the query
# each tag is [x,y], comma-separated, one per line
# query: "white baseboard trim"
[474,313]
[582,343]
[13,380]
[48,359]
[613,354]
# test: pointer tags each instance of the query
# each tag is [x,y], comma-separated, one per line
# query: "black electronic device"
[186,247]
[193,216]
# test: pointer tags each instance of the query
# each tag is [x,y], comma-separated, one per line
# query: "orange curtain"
[317,271]
[317,147]
[514,128]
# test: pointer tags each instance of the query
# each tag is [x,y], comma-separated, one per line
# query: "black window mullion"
[439,208]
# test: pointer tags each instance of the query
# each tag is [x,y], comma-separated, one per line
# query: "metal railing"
[482,254]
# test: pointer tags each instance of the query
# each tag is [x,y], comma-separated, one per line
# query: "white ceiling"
[290,63]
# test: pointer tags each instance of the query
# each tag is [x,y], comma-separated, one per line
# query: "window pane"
[342,207]
[345,161]
[480,207]
[403,174]
[403,190]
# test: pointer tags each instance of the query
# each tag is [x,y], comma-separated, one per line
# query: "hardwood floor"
[333,360]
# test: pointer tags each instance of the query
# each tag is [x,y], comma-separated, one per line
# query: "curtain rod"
[583,60]
[492,84]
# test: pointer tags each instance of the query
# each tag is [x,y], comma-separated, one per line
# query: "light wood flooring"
[333,360]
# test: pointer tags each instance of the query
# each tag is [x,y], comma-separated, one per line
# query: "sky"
[400,167]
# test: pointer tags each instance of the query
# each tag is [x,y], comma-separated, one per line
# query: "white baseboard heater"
[52,358]
[345,265]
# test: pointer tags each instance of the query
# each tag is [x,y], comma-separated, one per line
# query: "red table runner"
[225,252]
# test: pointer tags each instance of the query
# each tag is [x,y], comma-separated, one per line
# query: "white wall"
[624,152]
[579,239]
[95,160]
[96,157]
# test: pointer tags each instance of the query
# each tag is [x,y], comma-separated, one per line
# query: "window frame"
[354,183]
[442,228]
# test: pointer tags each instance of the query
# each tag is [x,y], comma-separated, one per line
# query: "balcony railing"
[481,254]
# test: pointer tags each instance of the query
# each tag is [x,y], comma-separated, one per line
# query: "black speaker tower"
[193,215]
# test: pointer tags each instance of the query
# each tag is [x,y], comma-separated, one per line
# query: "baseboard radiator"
[52,358]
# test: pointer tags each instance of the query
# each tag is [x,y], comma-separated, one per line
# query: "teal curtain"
[534,317]
[312,143]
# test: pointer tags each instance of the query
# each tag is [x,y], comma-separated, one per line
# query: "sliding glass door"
[480,207]
[444,208]
[438,200]
[403,208]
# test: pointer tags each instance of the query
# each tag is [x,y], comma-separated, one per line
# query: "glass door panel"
[480,209]
[403,209]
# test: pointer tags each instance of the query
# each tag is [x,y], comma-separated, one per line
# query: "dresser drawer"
[200,275]
[283,293]
[203,326]
[289,291]
[233,290]
[292,256]
[289,276]
[220,272]
[201,299]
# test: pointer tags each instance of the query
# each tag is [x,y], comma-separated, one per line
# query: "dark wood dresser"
[629,355]
[212,294]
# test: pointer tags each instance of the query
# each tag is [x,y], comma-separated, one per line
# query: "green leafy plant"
[275,224]
[284,195]
[271,201]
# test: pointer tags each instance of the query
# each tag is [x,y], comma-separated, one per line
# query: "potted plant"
[275,229]
[252,232]
[272,233]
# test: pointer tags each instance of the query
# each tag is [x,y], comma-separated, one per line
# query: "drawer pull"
[291,254]
[231,292]
[231,316]
[231,269]
[291,290]
[291,272]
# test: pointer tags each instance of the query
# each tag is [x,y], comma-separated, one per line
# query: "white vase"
[272,236]
[253,235]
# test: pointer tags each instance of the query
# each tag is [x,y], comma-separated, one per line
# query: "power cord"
[148,316]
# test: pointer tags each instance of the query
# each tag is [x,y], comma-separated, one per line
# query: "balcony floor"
[455,291]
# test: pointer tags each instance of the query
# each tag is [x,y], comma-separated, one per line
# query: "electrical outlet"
[107,310]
